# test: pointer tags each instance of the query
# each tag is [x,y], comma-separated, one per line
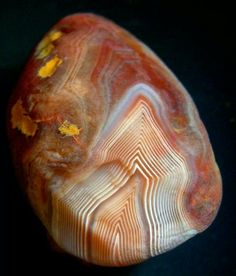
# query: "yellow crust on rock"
[21,120]
[45,47]
[50,67]
[54,35]
[69,129]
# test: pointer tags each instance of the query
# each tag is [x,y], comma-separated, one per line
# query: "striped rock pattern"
[109,146]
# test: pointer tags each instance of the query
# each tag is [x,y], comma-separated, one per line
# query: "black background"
[196,40]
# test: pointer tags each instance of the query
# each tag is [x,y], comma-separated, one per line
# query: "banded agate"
[109,146]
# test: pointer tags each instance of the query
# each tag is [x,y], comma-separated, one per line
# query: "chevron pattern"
[137,192]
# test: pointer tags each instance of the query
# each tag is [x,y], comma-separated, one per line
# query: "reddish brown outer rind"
[204,195]
[202,200]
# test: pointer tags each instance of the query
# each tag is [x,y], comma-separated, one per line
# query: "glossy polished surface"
[111,150]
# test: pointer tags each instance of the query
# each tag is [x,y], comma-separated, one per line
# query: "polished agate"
[109,146]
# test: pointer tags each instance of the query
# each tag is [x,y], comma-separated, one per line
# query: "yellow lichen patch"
[54,35]
[46,46]
[46,51]
[21,120]
[69,129]
[50,67]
